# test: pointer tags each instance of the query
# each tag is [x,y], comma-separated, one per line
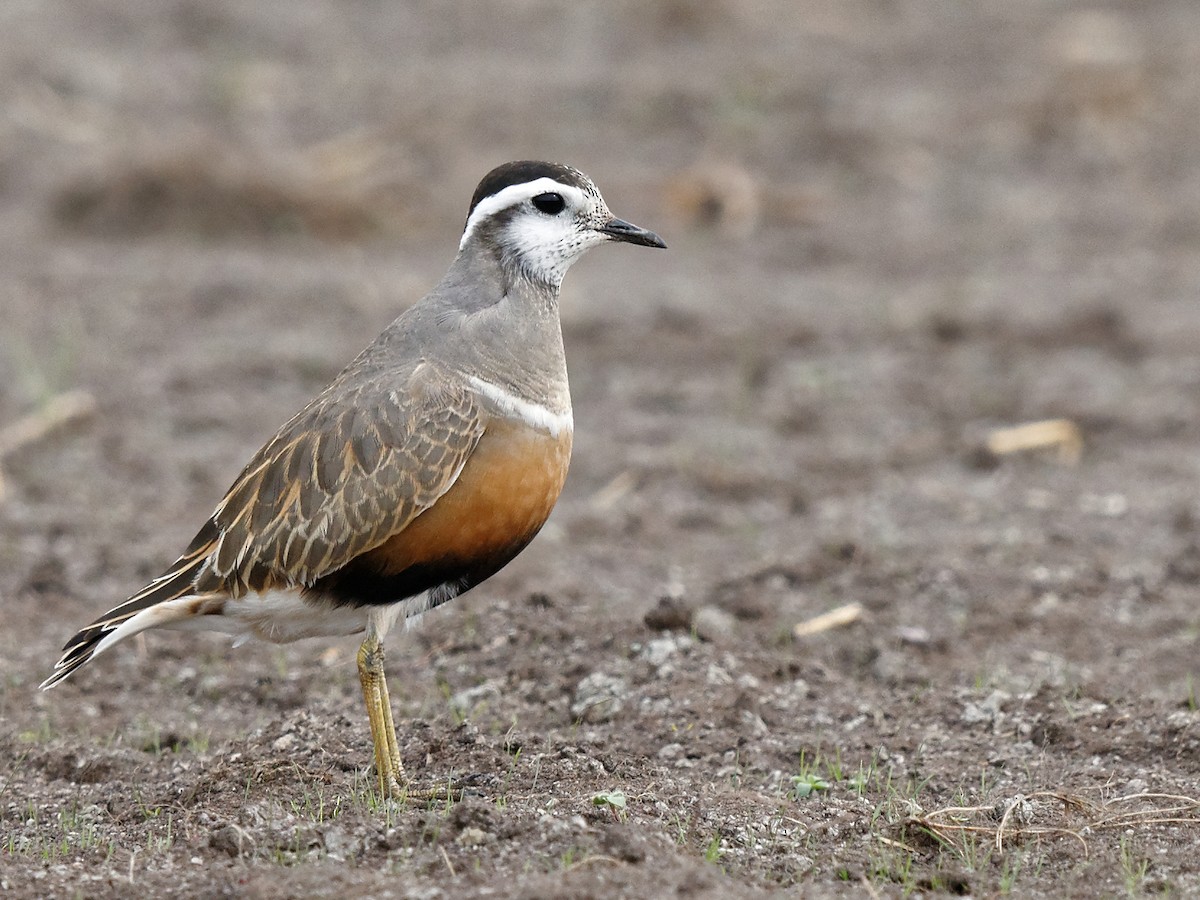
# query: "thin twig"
[55,413]
[587,861]
[835,618]
[1062,434]
[943,825]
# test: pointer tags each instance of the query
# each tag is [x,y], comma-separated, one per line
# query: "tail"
[158,603]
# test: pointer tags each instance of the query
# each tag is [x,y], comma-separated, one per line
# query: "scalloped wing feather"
[350,470]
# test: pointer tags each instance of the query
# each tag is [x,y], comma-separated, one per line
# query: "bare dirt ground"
[894,228]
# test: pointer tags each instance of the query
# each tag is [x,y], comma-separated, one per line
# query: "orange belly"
[501,499]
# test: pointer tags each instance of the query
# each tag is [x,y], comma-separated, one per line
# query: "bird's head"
[539,217]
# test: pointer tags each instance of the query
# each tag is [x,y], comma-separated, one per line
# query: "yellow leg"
[389,728]
[388,766]
[393,782]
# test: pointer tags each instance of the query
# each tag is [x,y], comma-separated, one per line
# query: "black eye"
[550,204]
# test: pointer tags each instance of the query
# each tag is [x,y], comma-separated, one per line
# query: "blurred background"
[894,226]
[969,158]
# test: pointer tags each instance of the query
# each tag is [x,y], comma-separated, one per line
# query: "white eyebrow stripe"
[514,194]
[533,414]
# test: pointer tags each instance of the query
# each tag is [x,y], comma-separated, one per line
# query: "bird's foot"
[403,790]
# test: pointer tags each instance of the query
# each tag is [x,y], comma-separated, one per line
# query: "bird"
[422,469]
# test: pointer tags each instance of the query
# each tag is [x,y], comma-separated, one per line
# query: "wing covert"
[348,472]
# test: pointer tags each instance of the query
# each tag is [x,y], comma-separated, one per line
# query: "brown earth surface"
[895,227]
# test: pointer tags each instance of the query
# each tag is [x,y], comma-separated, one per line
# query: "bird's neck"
[505,328]
[482,275]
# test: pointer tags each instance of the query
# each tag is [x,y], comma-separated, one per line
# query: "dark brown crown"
[522,172]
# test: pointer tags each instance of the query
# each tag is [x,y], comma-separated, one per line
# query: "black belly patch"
[362,583]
